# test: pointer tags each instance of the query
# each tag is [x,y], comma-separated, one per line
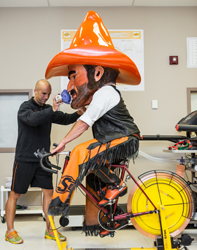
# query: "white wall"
[30,38]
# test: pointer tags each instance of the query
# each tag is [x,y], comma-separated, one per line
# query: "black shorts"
[27,174]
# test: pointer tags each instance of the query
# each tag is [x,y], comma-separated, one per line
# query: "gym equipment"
[160,205]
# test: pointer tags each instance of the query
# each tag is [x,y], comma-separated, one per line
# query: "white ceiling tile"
[95,3]
[91,3]
[166,3]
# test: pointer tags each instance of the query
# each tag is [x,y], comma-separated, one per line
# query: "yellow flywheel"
[166,189]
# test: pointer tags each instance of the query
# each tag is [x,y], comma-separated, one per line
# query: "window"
[10,101]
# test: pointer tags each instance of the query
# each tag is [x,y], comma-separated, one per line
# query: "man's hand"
[56,103]
[81,110]
[59,148]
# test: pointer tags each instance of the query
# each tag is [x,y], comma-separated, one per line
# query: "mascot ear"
[99,71]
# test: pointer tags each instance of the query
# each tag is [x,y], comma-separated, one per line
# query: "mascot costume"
[93,67]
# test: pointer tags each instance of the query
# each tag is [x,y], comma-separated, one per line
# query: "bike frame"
[164,241]
[160,211]
[96,201]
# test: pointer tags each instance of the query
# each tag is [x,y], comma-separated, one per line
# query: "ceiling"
[97,3]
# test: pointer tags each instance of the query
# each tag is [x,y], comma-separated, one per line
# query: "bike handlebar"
[186,127]
[172,138]
[43,155]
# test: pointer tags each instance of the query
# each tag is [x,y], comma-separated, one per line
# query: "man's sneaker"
[13,237]
[113,193]
[51,236]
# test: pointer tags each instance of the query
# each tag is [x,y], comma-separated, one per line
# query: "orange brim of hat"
[95,55]
[92,45]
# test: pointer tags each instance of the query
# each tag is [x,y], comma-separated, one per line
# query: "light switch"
[154,104]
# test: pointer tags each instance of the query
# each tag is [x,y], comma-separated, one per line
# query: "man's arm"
[31,118]
[27,115]
[65,119]
[79,128]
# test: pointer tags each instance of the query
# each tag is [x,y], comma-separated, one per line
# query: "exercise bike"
[160,205]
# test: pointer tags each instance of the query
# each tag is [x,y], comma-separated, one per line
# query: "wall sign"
[130,42]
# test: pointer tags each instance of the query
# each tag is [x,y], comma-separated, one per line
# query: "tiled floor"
[31,229]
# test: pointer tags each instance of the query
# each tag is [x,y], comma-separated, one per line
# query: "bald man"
[34,127]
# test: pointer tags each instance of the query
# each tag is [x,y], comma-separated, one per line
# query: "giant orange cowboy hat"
[92,45]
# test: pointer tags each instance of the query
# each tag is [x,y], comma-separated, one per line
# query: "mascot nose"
[70,86]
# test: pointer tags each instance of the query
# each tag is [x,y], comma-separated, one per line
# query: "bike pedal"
[107,233]
[123,193]
[112,234]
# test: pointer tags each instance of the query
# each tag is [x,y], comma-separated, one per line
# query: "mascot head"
[91,61]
